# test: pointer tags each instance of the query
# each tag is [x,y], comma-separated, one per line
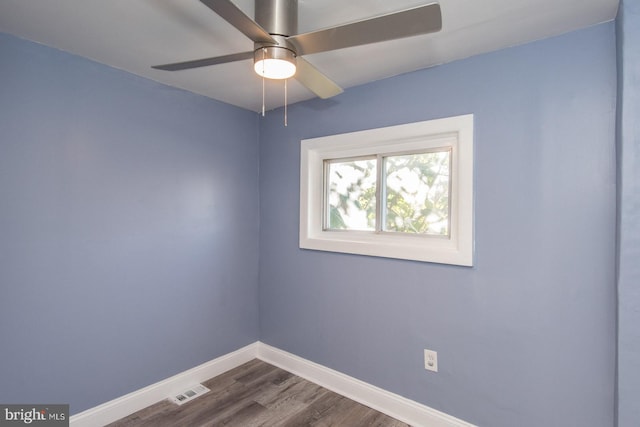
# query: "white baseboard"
[137,400]
[396,406]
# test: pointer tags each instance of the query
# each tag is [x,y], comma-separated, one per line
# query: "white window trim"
[455,132]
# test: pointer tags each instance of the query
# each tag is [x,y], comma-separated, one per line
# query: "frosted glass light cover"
[275,68]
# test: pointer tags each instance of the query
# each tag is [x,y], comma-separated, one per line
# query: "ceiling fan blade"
[234,16]
[315,81]
[406,23]
[205,62]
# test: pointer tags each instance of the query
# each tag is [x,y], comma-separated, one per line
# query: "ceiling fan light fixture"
[274,62]
[279,48]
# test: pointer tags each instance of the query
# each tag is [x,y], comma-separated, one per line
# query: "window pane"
[417,193]
[351,195]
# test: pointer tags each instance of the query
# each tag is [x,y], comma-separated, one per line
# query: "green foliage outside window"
[415,190]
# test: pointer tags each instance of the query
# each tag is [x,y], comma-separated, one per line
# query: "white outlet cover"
[430,360]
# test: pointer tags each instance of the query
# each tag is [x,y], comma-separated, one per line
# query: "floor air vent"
[189,394]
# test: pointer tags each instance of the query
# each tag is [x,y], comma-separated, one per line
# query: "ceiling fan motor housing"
[277,17]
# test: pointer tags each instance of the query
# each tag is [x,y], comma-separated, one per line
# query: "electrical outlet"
[430,360]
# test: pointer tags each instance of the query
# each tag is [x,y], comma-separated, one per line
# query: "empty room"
[320,213]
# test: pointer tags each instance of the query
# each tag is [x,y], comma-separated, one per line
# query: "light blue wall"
[527,336]
[629,214]
[128,224]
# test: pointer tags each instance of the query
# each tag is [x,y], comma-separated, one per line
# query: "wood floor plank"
[326,402]
[257,394]
[227,378]
[294,388]
[241,397]
[346,412]
[301,390]
[241,418]
[277,416]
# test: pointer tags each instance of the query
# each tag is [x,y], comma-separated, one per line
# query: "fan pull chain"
[263,61]
[262,96]
[285,102]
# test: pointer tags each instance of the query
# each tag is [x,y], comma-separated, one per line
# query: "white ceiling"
[133,35]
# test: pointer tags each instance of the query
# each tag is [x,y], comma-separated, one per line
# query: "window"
[415,189]
[400,192]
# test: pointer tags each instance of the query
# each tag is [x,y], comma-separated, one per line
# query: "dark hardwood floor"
[258,394]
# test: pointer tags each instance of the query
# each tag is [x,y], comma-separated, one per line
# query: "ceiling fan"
[278,48]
